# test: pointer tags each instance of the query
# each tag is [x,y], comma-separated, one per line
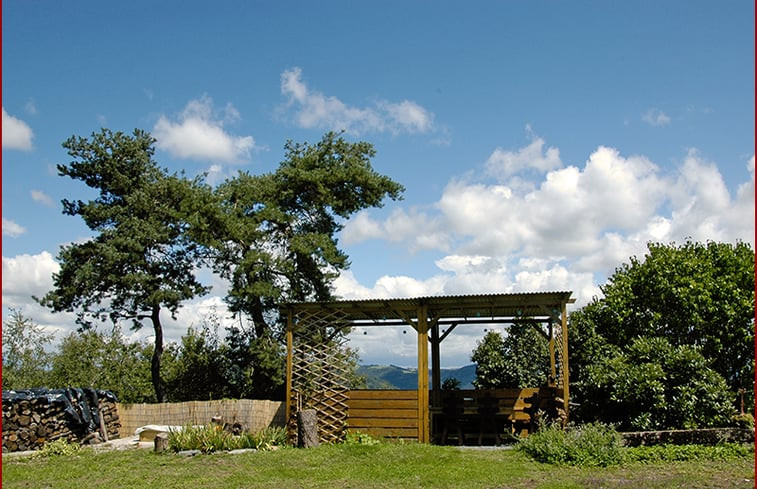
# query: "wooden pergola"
[428,316]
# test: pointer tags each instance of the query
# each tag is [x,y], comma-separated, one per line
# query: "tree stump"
[307,428]
[161,442]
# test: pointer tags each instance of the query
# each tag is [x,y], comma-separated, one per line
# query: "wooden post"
[436,371]
[565,372]
[423,407]
[290,354]
[161,442]
[307,428]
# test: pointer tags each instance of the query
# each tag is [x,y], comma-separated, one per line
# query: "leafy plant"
[55,448]
[358,438]
[590,445]
[212,438]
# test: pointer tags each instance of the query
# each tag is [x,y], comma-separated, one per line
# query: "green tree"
[693,294]
[489,357]
[653,385]
[196,371]
[275,238]
[279,239]
[25,360]
[519,359]
[141,260]
[104,361]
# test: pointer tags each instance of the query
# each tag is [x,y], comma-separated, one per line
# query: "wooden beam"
[423,404]
[565,372]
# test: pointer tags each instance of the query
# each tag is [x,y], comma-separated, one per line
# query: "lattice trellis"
[320,374]
[559,356]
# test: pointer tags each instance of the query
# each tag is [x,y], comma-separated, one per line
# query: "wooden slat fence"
[384,413]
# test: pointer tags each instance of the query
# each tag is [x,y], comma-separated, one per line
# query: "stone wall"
[711,436]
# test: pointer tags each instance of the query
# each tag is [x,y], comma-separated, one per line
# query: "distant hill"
[394,377]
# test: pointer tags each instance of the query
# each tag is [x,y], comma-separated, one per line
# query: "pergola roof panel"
[443,308]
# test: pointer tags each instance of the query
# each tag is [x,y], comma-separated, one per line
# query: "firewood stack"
[34,417]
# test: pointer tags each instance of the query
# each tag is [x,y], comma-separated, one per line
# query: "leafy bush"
[678,453]
[61,446]
[358,438]
[590,445]
[653,384]
[745,421]
[212,438]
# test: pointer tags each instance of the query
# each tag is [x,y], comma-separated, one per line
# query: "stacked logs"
[33,418]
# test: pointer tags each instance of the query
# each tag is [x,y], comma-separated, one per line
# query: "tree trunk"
[307,428]
[157,382]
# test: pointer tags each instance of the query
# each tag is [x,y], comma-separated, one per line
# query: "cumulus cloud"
[198,133]
[312,109]
[42,198]
[655,117]
[571,228]
[16,133]
[504,163]
[12,229]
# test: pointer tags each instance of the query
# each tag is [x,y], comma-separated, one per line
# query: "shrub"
[590,445]
[61,446]
[212,438]
[358,438]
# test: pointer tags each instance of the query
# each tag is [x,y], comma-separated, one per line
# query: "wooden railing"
[394,413]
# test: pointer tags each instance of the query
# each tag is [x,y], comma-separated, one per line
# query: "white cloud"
[12,229]
[16,133]
[42,198]
[503,163]
[198,133]
[27,275]
[655,117]
[312,109]
[568,230]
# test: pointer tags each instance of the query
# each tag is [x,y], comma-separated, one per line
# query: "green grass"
[358,466]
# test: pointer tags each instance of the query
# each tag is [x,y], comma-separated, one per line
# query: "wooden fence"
[384,413]
[254,414]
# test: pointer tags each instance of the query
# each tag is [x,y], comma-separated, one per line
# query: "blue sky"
[541,144]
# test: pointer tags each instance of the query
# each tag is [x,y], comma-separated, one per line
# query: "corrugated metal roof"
[495,306]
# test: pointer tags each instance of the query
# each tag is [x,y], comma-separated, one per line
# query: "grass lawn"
[355,466]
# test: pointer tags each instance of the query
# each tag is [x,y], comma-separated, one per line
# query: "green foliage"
[25,361]
[655,385]
[693,294]
[205,366]
[520,359]
[141,259]
[679,453]
[277,238]
[358,438]
[745,421]
[57,448]
[104,361]
[700,299]
[590,445]
[212,438]
[450,384]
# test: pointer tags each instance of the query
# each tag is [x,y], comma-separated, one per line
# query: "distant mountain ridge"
[394,377]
